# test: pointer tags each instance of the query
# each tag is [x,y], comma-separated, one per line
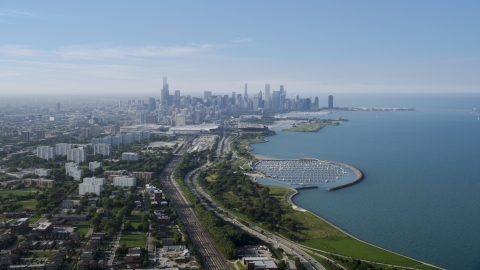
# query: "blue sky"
[313,47]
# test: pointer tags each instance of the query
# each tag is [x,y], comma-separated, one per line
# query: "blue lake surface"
[421,193]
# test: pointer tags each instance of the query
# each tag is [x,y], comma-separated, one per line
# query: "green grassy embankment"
[308,127]
[317,234]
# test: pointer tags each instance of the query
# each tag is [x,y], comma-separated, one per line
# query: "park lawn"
[351,247]
[316,233]
[307,127]
[4,193]
[133,239]
[41,253]
[34,218]
[135,218]
[82,228]
[211,178]
[26,204]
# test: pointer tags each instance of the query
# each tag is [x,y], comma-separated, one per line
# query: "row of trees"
[250,198]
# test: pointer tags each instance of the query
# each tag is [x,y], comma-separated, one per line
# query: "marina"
[301,171]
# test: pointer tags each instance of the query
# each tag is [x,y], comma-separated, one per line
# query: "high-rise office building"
[165,94]
[40,134]
[276,100]
[207,94]
[152,104]
[267,100]
[330,102]
[25,136]
[316,103]
[46,152]
[177,99]
[245,95]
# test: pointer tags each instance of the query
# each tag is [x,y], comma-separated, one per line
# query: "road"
[204,245]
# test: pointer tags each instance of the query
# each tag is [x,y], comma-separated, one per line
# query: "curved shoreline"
[294,192]
[359,178]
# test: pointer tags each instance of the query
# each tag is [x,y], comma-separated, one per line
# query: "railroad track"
[204,245]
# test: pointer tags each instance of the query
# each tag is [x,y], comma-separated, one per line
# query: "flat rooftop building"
[195,129]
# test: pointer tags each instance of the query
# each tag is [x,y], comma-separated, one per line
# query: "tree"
[282,265]
[111,232]
[177,238]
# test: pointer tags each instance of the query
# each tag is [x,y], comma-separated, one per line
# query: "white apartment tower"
[123,181]
[46,152]
[77,155]
[102,149]
[62,148]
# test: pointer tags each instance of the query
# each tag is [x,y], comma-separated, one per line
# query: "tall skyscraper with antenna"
[165,94]
[245,96]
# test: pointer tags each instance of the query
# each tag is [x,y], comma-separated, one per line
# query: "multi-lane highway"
[204,245]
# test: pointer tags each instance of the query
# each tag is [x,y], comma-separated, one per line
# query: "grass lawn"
[135,218]
[24,191]
[26,204]
[82,228]
[34,218]
[133,239]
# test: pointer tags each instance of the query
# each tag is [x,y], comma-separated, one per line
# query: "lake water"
[421,192]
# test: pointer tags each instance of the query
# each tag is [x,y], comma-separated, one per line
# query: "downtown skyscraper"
[165,94]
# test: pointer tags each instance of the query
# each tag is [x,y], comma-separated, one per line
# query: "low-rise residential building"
[130,156]
[41,182]
[264,263]
[94,165]
[19,226]
[94,180]
[43,172]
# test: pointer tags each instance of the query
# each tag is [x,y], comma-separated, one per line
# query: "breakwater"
[359,177]
[305,187]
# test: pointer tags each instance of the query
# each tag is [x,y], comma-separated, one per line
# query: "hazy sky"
[313,47]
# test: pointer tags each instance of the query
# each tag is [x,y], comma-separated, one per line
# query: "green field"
[26,204]
[133,240]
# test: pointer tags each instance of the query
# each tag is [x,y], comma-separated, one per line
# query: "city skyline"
[69,48]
